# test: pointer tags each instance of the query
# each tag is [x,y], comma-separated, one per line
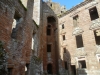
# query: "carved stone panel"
[77,31]
[95,24]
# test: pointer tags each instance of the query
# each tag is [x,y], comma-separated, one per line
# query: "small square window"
[64,50]
[63,37]
[82,64]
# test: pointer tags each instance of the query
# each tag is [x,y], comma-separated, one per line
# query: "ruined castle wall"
[37,11]
[49,58]
[18,42]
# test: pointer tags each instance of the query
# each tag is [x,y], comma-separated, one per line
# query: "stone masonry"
[41,37]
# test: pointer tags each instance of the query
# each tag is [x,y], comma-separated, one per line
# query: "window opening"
[82,64]
[73,69]
[97,36]
[63,26]
[64,50]
[51,5]
[61,11]
[48,31]
[32,44]
[9,71]
[75,21]
[63,37]
[79,41]
[93,13]
[66,66]
[17,19]
[49,68]
[49,48]
[26,69]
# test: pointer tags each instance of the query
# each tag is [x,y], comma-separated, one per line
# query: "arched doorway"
[49,68]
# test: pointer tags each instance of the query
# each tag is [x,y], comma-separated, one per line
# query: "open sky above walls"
[68,3]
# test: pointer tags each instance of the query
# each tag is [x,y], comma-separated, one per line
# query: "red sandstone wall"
[18,49]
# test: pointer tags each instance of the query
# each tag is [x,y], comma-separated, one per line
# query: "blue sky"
[68,3]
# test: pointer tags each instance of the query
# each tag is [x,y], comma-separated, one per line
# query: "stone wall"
[87,52]
[17,41]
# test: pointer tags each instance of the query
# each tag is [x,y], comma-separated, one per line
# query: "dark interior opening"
[49,68]
[75,22]
[97,36]
[9,71]
[93,13]
[51,20]
[63,37]
[82,64]
[64,50]
[51,4]
[48,47]
[49,30]
[16,20]
[79,41]
[26,72]
[66,66]
[73,69]
[63,26]
[17,16]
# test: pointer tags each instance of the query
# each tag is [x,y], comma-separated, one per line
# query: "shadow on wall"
[66,62]
[71,69]
[81,71]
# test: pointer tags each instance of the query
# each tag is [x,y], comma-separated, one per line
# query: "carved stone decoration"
[95,24]
[98,49]
[49,57]
[77,31]
[49,54]
[80,52]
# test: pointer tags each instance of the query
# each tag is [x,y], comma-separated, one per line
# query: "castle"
[44,38]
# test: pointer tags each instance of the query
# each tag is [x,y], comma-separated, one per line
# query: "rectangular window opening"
[93,13]
[49,48]
[63,37]
[73,69]
[97,36]
[48,31]
[75,21]
[16,20]
[79,41]
[9,71]
[82,64]
[64,50]
[66,66]
[26,69]
[63,26]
